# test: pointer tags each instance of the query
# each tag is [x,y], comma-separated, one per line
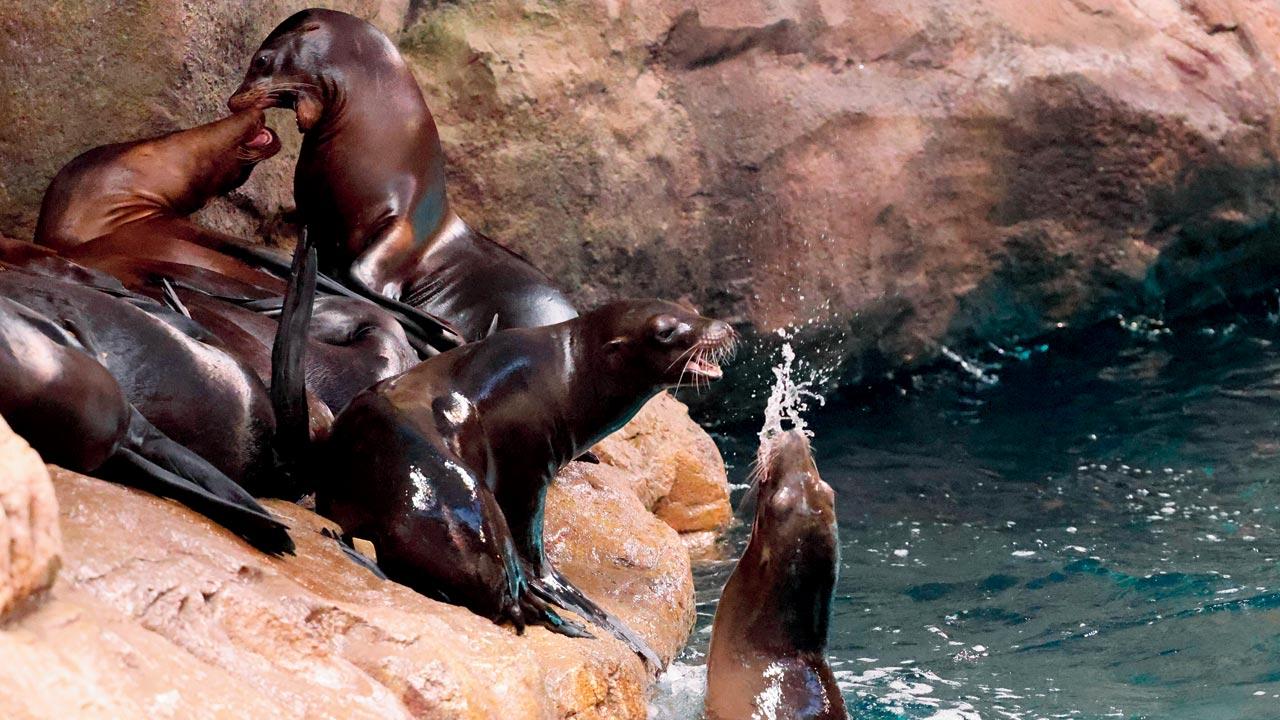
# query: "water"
[1087,529]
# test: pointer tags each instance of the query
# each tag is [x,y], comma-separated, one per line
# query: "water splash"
[794,386]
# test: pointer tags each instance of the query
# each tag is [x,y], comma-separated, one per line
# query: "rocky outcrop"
[30,540]
[679,473]
[890,177]
[160,613]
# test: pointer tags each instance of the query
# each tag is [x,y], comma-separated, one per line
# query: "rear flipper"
[555,588]
[150,461]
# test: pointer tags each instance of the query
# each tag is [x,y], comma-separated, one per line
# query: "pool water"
[1088,529]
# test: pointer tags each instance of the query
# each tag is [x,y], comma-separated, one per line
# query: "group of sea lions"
[424,382]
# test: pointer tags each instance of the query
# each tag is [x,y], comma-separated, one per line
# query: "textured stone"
[677,468]
[889,176]
[30,540]
[312,635]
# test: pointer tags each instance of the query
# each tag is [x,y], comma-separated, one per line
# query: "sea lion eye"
[664,327]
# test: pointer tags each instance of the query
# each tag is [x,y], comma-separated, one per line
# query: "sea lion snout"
[789,477]
[696,344]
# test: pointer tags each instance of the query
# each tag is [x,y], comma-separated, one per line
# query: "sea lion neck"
[802,569]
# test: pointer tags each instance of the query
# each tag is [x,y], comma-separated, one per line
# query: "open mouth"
[263,139]
[704,367]
[704,360]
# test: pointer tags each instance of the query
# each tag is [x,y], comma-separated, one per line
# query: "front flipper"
[355,556]
[538,612]
[556,588]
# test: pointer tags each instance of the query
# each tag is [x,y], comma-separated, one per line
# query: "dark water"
[1093,536]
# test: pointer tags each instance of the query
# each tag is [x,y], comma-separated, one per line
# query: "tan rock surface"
[315,636]
[30,539]
[75,657]
[903,174]
[680,472]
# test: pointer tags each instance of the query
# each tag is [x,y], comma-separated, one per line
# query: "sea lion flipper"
[151,461]
[555,588]
[437,333]
[345,543]
[546,616]
[288,355]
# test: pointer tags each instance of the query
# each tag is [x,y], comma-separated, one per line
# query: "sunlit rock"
[30,540]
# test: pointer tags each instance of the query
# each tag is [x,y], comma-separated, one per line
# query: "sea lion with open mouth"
[446,467]
[768,643]
[370,180]
[123,210]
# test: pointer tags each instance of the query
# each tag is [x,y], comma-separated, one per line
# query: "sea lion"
[167,367]
[122,210]
[134,197]
[373,191]
[445,468]
[768,643]
[56,395]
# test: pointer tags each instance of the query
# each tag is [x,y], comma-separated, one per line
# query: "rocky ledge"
[157,612]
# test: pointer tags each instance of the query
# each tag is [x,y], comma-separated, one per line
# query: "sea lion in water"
[445,468]
[56,395]
[373,191]
[122,209]
[768,643]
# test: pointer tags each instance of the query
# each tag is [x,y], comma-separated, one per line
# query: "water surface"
[1092,536]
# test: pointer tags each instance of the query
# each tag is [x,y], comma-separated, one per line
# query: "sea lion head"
[663,342]
[791,491]
[211,159]
[307,61]
[795,540]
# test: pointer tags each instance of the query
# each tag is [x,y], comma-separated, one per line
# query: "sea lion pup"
[122,209]
[370,180]
[445,468]
[769,639]
[73,412]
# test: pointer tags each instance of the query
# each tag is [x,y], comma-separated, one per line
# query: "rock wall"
[891,175]
[888,175]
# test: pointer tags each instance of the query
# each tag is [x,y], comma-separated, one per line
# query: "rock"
[681,476]
[889,177]
[147,584]
[74,656]
[30,540]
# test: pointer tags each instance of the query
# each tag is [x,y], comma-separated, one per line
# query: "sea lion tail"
[152,462]
[555,588]
[288,356]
